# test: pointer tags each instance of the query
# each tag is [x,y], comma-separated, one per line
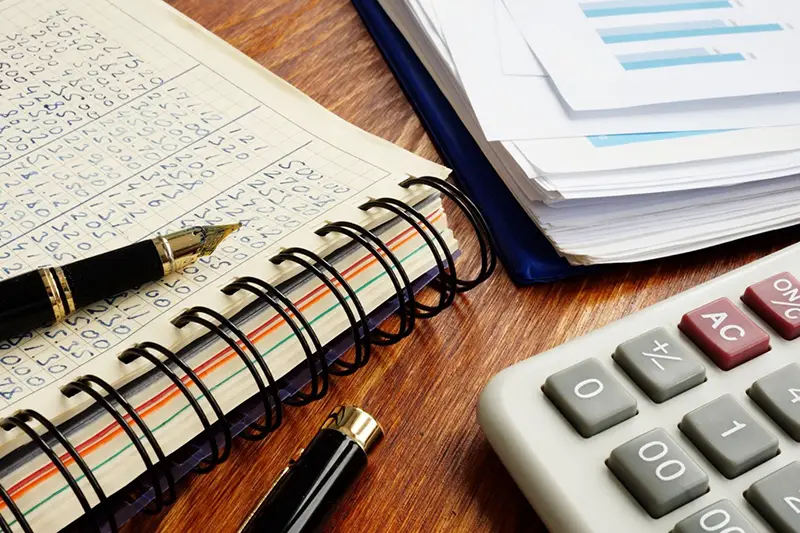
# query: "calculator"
[683,417]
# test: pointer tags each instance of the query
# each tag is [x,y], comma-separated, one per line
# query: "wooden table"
[435,471]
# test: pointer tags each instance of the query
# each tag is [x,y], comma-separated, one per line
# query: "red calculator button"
[725,333]
[777,301]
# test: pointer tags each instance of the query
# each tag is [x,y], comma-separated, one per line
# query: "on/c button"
[775,300]
[725,333]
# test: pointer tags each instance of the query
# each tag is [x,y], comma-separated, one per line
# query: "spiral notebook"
[121,120]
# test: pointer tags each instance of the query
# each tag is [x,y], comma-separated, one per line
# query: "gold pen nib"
[215,235]
[182,248]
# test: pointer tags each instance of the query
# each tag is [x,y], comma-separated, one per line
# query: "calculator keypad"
[722,516]
[778,394]
[777,301]
[589,397]
[659,365]
[729,436]
[654,469]
[777,498]
[657,472]
[725,333]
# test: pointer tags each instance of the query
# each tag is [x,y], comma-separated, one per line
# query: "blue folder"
[526,254]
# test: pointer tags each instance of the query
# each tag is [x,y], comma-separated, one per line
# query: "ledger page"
[121,120]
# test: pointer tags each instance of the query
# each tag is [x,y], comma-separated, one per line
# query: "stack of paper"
[627,129]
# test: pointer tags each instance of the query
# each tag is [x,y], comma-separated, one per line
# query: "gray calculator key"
[659,365]
[777,498]
[723,517]
[778,394]
[729,436]
[589,397]
[657,472]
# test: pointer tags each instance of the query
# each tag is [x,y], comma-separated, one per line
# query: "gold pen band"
[67,299]
[49,280]
[58,292]
[166,255]
[356,424]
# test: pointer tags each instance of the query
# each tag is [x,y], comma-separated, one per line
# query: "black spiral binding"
[207,465]
[14,421]
[20,418]
[317,364]
[360,327]
[269,398]
[18,515]
[446,282]
[84,384]
[446,278]
[476,220]
[405,300]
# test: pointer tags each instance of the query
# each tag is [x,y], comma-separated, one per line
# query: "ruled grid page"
[113,130]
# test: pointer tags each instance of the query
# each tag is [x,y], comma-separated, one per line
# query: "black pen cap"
[311,486]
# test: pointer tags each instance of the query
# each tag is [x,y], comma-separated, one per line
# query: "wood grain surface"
[434,471]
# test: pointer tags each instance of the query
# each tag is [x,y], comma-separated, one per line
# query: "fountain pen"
[46,296]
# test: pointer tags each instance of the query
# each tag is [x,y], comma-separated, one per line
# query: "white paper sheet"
[614,54]
[529,186]
[529,107]
[516,57]
[672,224]
[606,153]
[600,186]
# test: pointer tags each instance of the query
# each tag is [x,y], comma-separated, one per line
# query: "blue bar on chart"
[611,8]
[678,30]
[675,58]
[620,139]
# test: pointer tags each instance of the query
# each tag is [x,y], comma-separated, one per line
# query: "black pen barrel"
[304,496]
[105,275]
[24,305]
[45,296]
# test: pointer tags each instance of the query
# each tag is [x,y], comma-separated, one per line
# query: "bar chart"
[675,58]
[612,8]
[678,30]
[653,52]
